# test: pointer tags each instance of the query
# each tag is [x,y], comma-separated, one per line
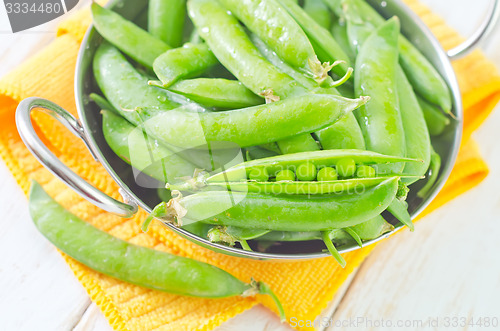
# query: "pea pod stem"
[355,236]
[331,248]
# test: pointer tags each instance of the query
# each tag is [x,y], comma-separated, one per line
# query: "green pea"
[365,171]
[346,167]
[306,171]
[285,175]
[260,175]
[327,174]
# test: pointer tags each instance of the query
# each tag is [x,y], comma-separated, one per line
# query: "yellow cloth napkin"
[304,287]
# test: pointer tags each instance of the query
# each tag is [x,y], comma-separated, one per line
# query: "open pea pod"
[285,187]
[322,158]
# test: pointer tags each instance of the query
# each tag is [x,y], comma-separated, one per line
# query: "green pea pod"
[138,265]
[230,44]
[217,92]
[319,12]
[435,119]
[418,141]
[287,187]
[251,126]
[166,20]
[128,37]
[188,61]
[421,73]
[323,158]
[375,75]
[142,152]
[282,213]
[271,23]
[125,87]
[320,37]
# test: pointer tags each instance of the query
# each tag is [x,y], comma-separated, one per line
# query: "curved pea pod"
[142,152]
[188,61]
[166,20]
[217,92]
[137,43]
[319,12]
[325,46]
[251,126]
[418,141]
[375,75]
[138,265]
[281,213]
[125,87]
[274,25]
[354,185]
[323,158]
[421,73]
[436,121]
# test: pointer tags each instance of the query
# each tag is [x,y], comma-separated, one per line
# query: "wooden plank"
[38,290]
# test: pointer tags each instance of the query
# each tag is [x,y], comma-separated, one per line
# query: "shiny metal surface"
[482,33]
[51,162]
[447,145]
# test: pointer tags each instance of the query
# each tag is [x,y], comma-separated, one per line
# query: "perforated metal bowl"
[88,128]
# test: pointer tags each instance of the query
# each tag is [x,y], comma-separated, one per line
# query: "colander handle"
[482,33]
[54,165]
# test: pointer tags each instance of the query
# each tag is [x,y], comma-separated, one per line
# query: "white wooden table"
[449,267]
